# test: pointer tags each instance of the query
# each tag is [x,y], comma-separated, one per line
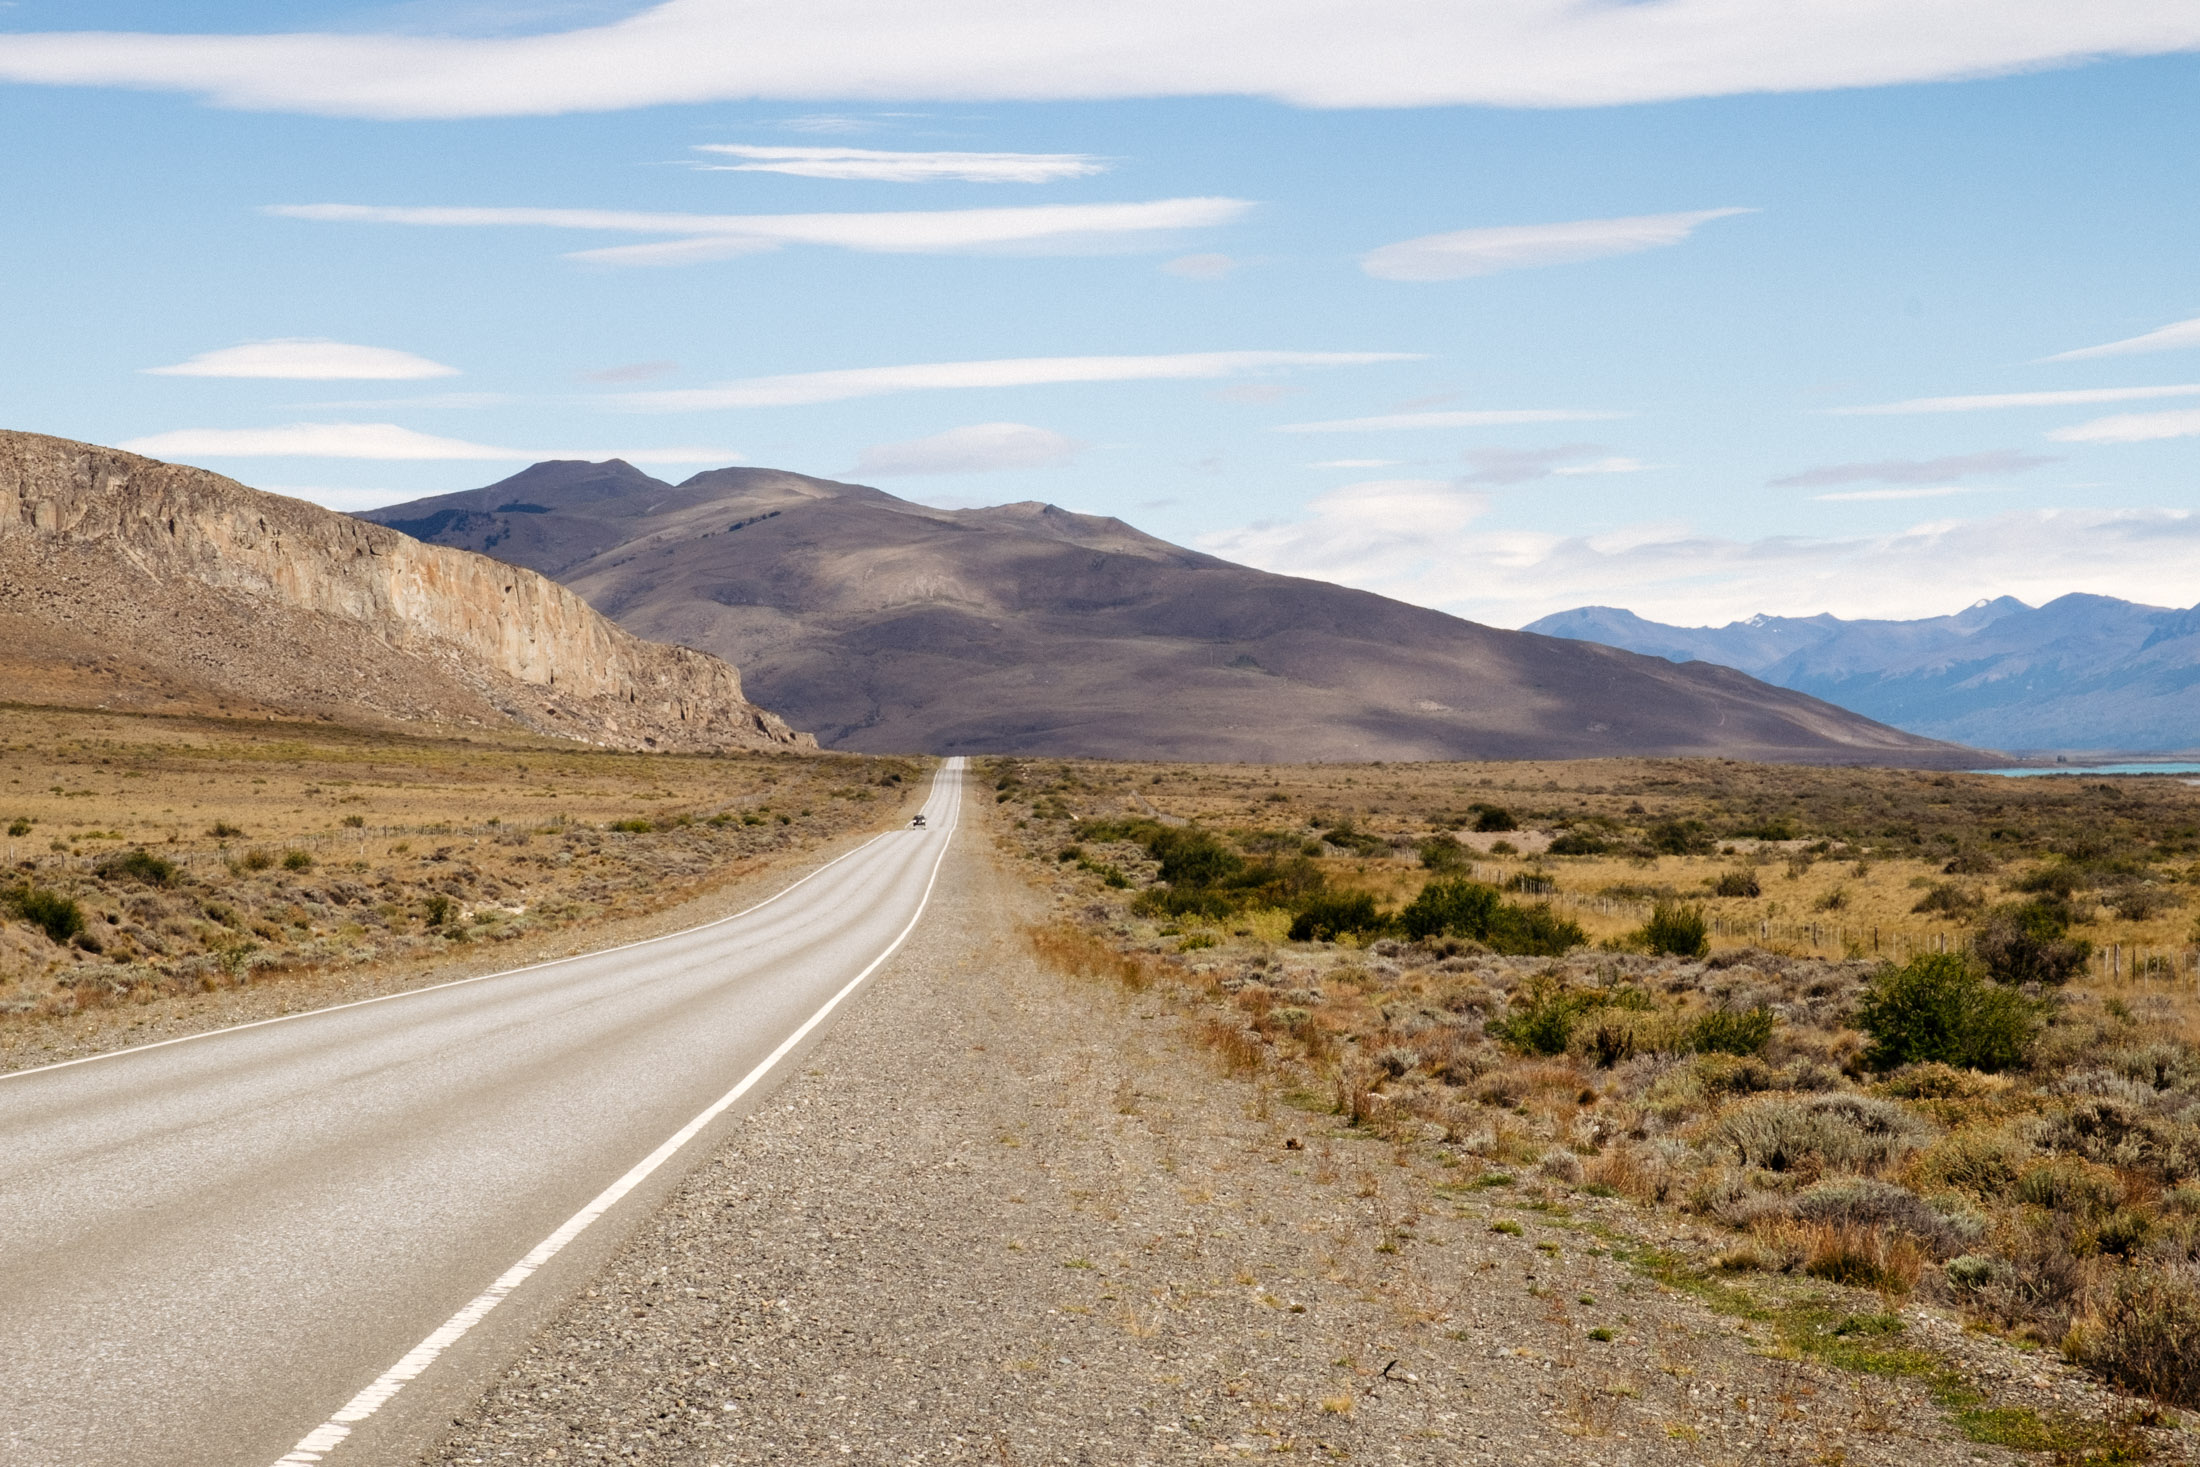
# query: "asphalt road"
[208,1248]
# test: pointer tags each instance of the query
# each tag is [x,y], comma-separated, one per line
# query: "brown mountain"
[885,625]
[130,583]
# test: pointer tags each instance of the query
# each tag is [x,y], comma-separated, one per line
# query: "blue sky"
[1332,301]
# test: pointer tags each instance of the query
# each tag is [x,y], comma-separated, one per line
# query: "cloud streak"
[1316,53]
[382,441]
[1478,418]
[802,388]
[871,165]
[982,448]
[1470,252]
[1431,546]
[2133,428]
[2173,337]
[1994,401]
[1913,470]
[307,359]
[700,237]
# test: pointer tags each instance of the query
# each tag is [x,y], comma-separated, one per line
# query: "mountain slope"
[887,625]
[128,582]
[2080,673]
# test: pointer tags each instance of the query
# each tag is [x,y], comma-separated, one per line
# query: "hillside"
[134,584]
[2082,673]
[891,626]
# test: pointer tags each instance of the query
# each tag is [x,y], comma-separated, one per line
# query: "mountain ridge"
[886,625]
[2080,673]
[144,584]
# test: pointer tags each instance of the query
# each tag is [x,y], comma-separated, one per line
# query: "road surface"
[318,1237]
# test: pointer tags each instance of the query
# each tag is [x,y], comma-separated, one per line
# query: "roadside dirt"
[1004,1216]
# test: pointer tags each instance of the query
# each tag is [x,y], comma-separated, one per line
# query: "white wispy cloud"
[1503,466]
[2133,428]
[698,237]
[307,359]
[1431,546]
[874,165]
[1357,463]
[978,449]
[385,441]
[2172,337]
[1992,401]
[1468,252]
[1867,496]
[1482,418]
[800,388]
[1914,470]
[1377,53]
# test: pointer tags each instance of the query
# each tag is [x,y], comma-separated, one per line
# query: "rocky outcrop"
[184,579]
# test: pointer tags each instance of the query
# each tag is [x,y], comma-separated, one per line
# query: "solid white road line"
[359,1003]
[331,1433]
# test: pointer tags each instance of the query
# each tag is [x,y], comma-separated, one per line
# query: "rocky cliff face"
[185,583]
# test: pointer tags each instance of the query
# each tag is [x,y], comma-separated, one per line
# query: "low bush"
[1866,1202]
[1838,1131]
[1731,1031]
[634,826]
[1443,854]
[1939,1007]
[256,860]
[1495,818]
[138,865]
[59,917]
[1862,1257]
[1949,899]
[1679,838]
[2028,942]
[297,860]
[1453,906]
[1330,915]
[1578,843]
[1542,1017]
[2145,1334]
[1740,882]
[1678,928]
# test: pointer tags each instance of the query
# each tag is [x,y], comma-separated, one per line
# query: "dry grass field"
[149,858]
[1937,1041]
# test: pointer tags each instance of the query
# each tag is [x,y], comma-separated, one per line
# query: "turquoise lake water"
[2099,769]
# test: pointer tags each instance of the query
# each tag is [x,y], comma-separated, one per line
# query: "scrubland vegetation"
[1930,1035]
[149,857]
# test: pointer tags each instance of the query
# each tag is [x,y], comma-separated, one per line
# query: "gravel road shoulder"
[1002,1216]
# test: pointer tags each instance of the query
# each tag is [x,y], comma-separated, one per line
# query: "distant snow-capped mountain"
[2080,673]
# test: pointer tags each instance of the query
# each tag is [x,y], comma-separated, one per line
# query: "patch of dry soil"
[1006,1217]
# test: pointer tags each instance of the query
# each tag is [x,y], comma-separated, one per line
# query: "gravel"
[1000,1216]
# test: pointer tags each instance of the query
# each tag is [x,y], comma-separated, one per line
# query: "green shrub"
[1542,1016]
[19,826]
[1579,843]
[59,916]
[439,909]
[256,861]
[1740,882]
[1939,1007]
[1451,906]
[1442,854]
[1949,899]
[1678,928]
[1533,931]
[1679,838]
[223,830]
[138,865]
[634,826]
[1731,1031]
[2027,942]
[1495,818]
[297,860]
[1330,915]
[1190,856]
